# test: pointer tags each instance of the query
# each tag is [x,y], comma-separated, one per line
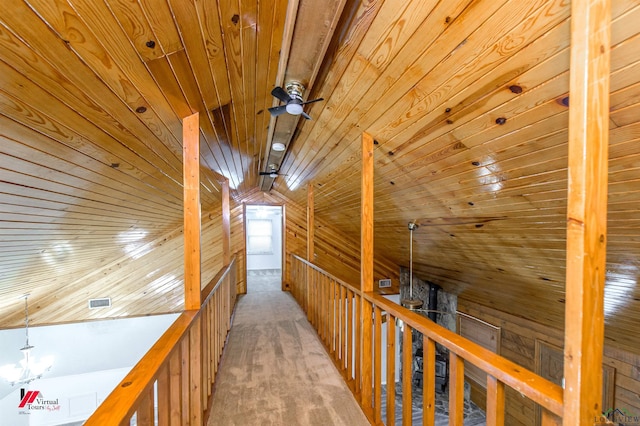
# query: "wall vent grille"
[386,283]
[104,302]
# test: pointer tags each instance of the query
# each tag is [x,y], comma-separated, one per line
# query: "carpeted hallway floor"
[275,371]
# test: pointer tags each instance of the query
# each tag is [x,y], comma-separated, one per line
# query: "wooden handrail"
[132,387]
[500,370]
[134,390]
[322,271]
[213,285]
[529,384]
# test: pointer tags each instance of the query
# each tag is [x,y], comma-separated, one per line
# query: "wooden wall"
[146,279]
[334,251]
[518,343]
[150,281]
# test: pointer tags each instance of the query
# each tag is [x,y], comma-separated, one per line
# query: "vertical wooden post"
[226,223]
[366,266]
[191,173]
[586,210]
[366,234]
[310,247]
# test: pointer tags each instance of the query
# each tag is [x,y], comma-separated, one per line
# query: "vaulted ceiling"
[467,101]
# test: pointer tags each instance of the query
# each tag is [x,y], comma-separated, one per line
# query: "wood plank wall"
[334,251]
[149,281]
[518,344]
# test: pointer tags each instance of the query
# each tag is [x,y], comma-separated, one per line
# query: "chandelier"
[29,368]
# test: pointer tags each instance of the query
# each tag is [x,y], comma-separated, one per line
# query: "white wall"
[274,259]
[89,358]
[78,396]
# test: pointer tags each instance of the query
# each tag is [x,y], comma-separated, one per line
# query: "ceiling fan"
[272,172]
[292,98]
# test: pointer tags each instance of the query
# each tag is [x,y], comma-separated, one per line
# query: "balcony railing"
[180,368]
[338,311]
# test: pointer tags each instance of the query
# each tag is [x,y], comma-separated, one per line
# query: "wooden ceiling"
[466,100]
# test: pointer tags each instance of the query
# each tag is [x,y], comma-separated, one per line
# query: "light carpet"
[275,371]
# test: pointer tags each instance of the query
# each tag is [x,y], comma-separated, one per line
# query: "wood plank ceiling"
[467,101]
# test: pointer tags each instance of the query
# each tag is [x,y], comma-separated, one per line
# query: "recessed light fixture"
[278,146]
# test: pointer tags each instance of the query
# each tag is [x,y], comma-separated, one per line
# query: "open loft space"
[457,179]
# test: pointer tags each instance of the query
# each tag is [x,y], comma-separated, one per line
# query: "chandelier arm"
[29,368]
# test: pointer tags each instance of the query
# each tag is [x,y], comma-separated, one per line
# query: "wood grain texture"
[192,213]
[366,215]
[464,98]
[587,211]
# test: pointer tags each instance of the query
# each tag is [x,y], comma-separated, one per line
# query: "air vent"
[386,283]
[105,302]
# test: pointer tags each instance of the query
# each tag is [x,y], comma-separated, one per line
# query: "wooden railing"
[337,309]
[180,368]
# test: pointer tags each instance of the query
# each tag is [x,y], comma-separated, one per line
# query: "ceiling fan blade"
[315,100]
[281,94]
[276,111]
[305,115]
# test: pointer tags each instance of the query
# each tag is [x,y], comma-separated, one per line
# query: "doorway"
[263,225]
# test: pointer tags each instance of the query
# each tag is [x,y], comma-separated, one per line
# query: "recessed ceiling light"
[278,146]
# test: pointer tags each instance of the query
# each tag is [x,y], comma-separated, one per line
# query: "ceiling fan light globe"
[273,175]
[294,109]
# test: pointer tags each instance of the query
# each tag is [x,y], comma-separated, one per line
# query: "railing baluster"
[391,369]
[341,329]
[333,335]
[145,414]
[216,330]
[358,330]
[407,360]
[207,378]
[367,349]
[349,343]
[184,381]
[377,365]
[325,310]
[179,368]
[428,381]
[317,302]
[175,386]
[456,390]
[195,373]
[550,419]
[342,317]
[163,391]
[495,401]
